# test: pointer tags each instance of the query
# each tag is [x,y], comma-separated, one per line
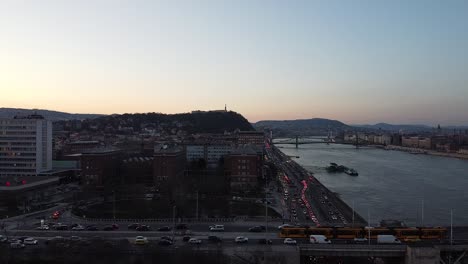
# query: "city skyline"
[393,62]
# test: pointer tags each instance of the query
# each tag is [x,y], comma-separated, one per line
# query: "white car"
[241,239]
[290,241]
[217,228]
[141,240]
[44,227]
[285,225]
[30,241]
[195,241]
[78,228]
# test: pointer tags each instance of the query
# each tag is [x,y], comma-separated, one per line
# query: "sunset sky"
[356,61]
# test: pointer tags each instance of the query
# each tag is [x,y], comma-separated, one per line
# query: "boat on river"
[351,172]
[340,168]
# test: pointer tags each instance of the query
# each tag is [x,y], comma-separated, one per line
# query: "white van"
[387,239]
[319,239]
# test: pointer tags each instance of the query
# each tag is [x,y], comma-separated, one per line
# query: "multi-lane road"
[317,204]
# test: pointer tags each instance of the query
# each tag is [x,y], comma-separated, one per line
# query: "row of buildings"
[222,163]
[452,143]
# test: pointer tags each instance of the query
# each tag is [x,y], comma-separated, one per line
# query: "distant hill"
[195,122]
[314,126]
[48,114]
[407,128]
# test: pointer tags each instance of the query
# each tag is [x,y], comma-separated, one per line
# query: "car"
[164,242]
[256,229]
[133,226]
[22,238]
[55,239]
[43,227]
[143,228]
[181,226]
[115,226]
[61,227]
[30,241]
[108,228]
[241,239]
[78,228]
[92,228]
[265,241]
[164,228]
[214,239]
[166,238]
[186,238]
[75,238]
[334,217]
[141,240]
[217,228]
[290,241]
[16,245]
[360,240]
[3,239]
[284,225]
[195,241]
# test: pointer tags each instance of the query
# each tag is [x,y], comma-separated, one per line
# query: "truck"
[387,239]
[319,239]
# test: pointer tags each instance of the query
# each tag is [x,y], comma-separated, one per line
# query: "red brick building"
[244,169]
[168,166]
[100,166]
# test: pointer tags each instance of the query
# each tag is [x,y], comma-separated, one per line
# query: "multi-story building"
[168,166]
[243,166]
[255,138]
[410,142]
[214,153]
[195,152]
[79,146]
[416,142]
[100,166]
[25,146]
[137,170]
[211,152]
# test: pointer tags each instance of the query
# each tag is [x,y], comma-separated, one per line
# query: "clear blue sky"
[356,61]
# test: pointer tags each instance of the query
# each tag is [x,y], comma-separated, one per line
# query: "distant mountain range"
[48,114]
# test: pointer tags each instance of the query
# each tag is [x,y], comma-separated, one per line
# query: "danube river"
[392,184]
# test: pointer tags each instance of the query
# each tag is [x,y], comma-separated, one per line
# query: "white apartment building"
[25,146]
[210,153]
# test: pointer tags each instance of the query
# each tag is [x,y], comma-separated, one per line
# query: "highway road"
[324,207]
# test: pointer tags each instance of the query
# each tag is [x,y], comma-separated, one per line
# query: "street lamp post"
[197,207]
[173,222]
[113,204]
